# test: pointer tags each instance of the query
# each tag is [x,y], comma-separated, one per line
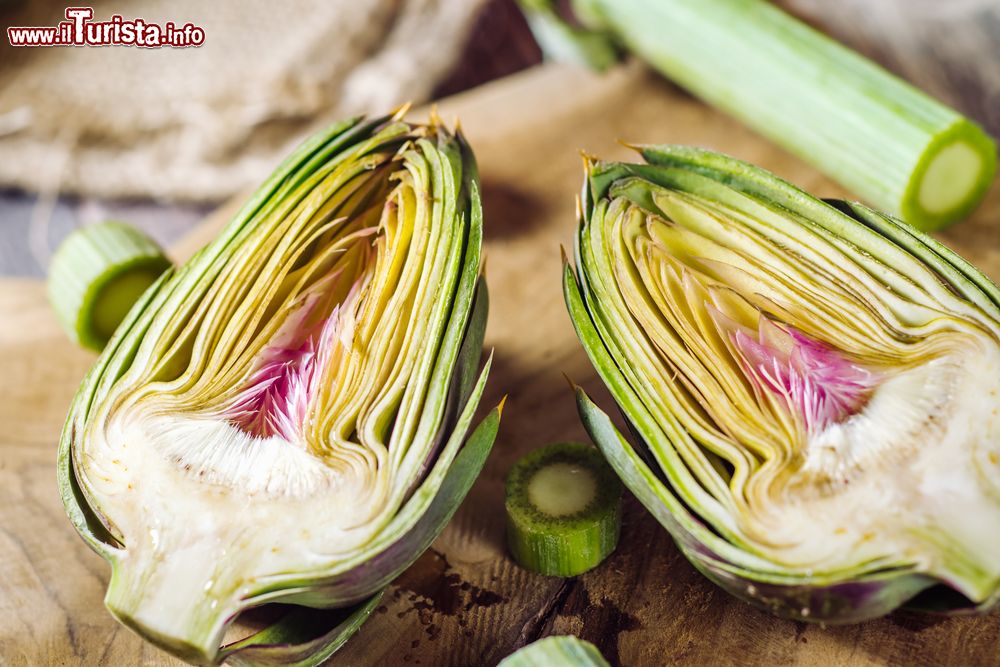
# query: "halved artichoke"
[284,418]
[814,387]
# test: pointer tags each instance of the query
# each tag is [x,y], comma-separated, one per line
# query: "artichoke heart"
[814,386]
[284,418]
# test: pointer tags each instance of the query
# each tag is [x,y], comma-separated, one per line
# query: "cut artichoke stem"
[823,393]
[152,593]
[97,274]
[117,298]
[875,134]
[563,508]
[561,489]
[952,175]
[284,419]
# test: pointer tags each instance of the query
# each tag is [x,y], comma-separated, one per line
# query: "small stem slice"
[97,274]
[563,509]
[567,651]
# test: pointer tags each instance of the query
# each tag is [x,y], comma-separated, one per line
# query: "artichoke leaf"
[292,641]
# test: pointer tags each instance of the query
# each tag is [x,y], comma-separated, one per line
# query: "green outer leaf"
[564,651]
[966,279]
[288,642]
[472,346]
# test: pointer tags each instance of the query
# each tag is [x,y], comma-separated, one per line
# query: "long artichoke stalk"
[285,417]
[813,385]
[875,134]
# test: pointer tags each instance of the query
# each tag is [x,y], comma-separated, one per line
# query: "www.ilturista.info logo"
[79,30]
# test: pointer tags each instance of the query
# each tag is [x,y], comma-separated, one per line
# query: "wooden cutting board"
[465,602]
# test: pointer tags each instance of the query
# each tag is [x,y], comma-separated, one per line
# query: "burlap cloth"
[199,124]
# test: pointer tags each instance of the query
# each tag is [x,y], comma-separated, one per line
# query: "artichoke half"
[814,386]
[284,417]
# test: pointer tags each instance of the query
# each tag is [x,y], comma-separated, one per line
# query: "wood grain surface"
[465,602]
